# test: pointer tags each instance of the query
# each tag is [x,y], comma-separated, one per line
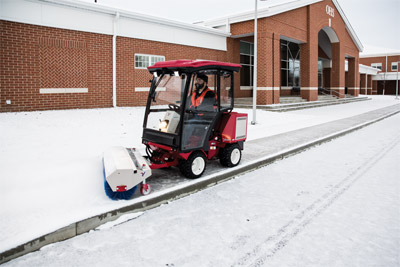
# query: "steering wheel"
[174,107]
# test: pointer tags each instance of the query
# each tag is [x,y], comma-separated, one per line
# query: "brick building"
[386,63]
[68,54]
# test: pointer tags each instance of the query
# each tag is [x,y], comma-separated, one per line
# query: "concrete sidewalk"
[169,184]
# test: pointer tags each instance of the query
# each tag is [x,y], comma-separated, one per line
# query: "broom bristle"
[126,195]
[118,195]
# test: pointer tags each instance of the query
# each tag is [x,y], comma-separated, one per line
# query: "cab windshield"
[166,98]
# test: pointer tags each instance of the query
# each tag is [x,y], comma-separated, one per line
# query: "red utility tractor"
[188,121]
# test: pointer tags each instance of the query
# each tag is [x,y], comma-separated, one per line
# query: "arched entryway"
[331,72]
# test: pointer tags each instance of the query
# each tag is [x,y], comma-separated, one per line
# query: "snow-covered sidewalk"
[334,205]
[51,170]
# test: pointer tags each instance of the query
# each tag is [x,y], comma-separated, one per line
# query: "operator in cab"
[202,98]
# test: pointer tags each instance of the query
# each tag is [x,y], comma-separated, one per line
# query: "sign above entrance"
[330,11]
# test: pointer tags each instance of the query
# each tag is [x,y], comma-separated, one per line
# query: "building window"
[395,66]
[290,64]
[320,73]
[143,61]
[377,66]
[247,62]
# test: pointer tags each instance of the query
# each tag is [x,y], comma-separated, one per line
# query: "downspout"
[384,78]
[114,59]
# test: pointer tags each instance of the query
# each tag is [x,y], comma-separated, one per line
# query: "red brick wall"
[35,57]
[369,60]
[55,60]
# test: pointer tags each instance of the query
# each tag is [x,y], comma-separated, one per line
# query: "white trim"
[63,90]
[114,59]
[385,76]
[268,88]
[383,54]
[146,89]
[95,18]
[286,88]
[132,15]
[260,88]
[337,88]
[364,69]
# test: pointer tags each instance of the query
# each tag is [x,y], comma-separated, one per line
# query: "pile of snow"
[333,205]
[51,167]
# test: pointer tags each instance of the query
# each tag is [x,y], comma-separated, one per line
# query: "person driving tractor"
[202,98]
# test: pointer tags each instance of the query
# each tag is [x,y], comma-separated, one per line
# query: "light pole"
[397,81]
[253,122]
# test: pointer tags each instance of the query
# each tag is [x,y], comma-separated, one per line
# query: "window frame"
[377,66]
[396,64]
[290,61]
[249,65]
[150,60]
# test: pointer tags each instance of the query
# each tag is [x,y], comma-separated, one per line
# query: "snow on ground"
[51,170]
[333,205]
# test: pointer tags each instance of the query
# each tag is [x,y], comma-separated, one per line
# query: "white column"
[255,67]
[114,59]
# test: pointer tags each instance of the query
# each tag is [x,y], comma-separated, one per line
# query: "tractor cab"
[179,114]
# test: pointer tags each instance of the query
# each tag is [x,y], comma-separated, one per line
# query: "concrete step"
[316,104]
[304,104]
[291,99]
[349,96]
[244,100]
[283,100]
[326,97]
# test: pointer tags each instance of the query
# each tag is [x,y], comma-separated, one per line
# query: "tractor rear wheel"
[230,155]
[194,166]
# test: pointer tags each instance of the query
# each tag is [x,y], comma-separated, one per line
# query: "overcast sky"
[376,22]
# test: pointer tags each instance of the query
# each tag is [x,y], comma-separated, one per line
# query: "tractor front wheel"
[230,155]
[194,166]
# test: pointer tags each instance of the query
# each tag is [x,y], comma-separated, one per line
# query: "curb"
[150,201]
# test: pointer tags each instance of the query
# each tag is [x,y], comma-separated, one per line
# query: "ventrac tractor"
[182,126]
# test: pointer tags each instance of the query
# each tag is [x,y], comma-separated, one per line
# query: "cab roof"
[193,65]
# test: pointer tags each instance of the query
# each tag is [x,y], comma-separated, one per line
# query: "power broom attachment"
[124,169]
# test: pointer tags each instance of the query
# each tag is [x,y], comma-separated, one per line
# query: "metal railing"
[325,91]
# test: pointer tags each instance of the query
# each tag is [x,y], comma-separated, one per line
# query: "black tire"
[230,155]
[194,166]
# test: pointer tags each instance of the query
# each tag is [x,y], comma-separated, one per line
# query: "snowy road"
[51,170]
[333,205]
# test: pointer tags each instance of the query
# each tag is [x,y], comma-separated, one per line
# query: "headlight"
[163,126]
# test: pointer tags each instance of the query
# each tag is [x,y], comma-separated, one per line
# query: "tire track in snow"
[260,254]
